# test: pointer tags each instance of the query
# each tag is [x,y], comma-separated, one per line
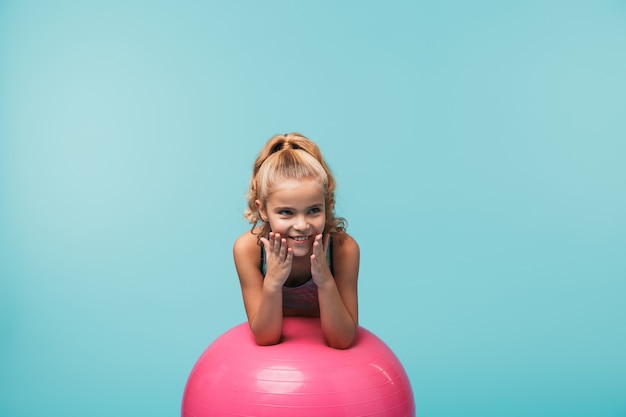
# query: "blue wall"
[479,149]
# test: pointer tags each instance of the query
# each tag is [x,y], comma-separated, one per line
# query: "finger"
[317,245]
[316,263]
[282,251]
[276,243]
[266,244]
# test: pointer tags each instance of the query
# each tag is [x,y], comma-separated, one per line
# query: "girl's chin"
[301,252]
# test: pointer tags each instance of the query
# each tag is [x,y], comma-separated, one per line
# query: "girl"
[299,260]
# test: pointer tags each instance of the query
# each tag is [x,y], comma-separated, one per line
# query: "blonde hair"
[290,156]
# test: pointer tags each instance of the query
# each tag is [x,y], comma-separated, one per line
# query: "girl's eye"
[315,210]
[285,212]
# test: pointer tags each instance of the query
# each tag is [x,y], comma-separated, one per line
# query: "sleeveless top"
[304,296]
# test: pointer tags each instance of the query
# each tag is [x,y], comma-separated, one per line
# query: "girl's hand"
[278,258]
[320,270]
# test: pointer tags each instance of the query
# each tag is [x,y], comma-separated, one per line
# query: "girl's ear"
[261,209]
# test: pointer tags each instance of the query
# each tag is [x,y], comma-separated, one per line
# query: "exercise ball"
[300,376]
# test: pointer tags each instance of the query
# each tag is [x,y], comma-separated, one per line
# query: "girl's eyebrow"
[291,208]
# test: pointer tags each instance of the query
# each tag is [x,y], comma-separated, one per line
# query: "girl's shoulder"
[247,257]
[345,245]
[345,259]
[247,244]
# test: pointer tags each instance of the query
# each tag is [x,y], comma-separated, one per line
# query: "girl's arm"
[263,298]
[337,297]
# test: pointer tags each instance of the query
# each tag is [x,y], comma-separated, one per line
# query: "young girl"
[299,260]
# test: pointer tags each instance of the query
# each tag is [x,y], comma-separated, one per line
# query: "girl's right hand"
[278,258]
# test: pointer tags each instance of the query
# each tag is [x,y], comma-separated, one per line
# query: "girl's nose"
[301,223]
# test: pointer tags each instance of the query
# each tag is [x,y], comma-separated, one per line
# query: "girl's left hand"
[320,271]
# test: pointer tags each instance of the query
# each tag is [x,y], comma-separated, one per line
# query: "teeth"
[300,238]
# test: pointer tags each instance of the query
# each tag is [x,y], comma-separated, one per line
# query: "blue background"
[479,149]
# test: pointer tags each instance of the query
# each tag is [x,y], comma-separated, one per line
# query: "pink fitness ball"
[301,376]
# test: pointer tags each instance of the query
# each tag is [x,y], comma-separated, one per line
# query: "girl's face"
[296,210]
